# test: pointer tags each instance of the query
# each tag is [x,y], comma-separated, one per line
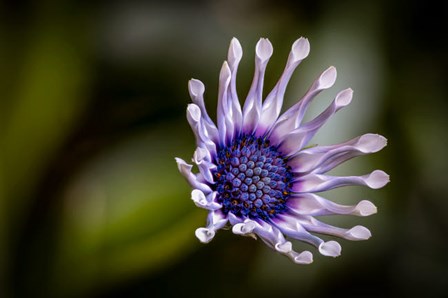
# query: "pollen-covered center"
[252,178]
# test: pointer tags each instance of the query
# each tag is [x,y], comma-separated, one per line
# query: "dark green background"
[92,114]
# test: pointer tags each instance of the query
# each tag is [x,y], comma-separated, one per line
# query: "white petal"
[202,159]
[233,220]
[198,197]
[284,247]
[202,201]
[215,221]
[295,140]
[293,117]
[185,170]
[264,50]
[200,131]
[358,233]
[193,113]
[327,78]
[200,155]
[269,234]
[330,249]
[317,182]
[274,101]
[333,159]
[366,208]
[225,74]
[300,50]
[244,228]
[325,81]
[252,105]
[225,124]
[314,205]
[344,98]
[205,235]
[275,239]
[321,159]
[370,143]
[235,52]
[377,179]
[196,89]
[298,138]
[206,168]
[234,56]
[292,227]
[304,257]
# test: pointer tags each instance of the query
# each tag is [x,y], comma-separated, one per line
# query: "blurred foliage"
[92,114]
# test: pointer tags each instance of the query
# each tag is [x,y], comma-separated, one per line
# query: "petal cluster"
[274,216]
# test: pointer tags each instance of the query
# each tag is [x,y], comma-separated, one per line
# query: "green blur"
[92,114]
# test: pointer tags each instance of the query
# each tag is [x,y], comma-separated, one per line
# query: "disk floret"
[252,178]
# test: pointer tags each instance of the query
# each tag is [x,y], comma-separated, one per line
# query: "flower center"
[252,179]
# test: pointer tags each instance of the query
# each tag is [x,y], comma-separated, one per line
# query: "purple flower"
[256,173]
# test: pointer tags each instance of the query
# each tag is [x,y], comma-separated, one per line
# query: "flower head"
[256,173]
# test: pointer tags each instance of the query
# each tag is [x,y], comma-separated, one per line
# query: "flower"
[256,173]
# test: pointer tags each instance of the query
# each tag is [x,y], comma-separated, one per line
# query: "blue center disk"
[252,179]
